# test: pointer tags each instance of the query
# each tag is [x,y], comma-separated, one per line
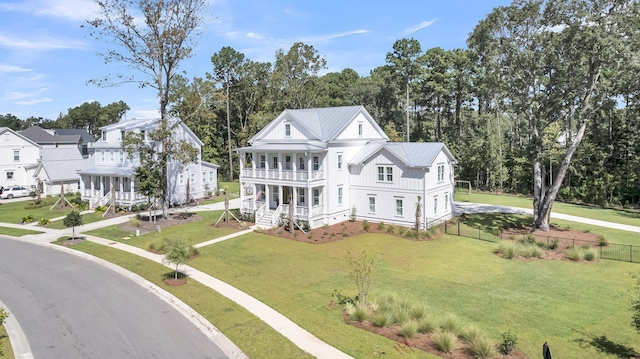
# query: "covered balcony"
[290,162]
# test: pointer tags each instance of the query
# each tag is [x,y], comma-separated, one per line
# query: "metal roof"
[41,136]
[285,147]
[413,154]
[60,154]
[63,170]
[107,170]
[208,164]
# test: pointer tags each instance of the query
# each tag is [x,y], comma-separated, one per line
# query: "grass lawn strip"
[579,308]
[5,344]
[17,232]
[630,217]
[250,334]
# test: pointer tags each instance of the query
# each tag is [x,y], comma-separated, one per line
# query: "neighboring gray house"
[327,161]
[111,167]
[79,139]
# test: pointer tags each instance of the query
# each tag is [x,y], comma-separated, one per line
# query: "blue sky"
[46,57]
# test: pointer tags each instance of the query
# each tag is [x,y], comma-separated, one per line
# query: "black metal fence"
[605,250]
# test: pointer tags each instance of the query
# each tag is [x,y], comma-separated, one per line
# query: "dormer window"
[104,135]
[287,130]
[122,133]
[359,129]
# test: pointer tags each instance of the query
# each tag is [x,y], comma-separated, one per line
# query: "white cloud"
[41,43]
[140,114]
[420,26]
[320,38]
[76,10]
[11,69]
[253,35]
[34,101]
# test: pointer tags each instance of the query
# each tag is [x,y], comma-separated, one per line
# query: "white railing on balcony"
[248,205]
[97,198]
[300,175]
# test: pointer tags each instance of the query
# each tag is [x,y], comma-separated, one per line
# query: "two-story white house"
[113,169]
[18,159]
[328,161]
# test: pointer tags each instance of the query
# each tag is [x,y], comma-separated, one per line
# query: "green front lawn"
[87,218]
[12,212]
[16,232]
[630,217]
[194,232]
[5,344]
[249,333]
[580,309]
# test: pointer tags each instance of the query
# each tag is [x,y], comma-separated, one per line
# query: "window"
[121,156]
[104,135]
[126,184]
[340,161]
[204,177]
[446,202]
[112,156]
[398,206]
[372,204]
[316,197]
[301,196]
[122,133]
[102,159]
[274,163]
[181,179]
[16,155]
[192,177]
[339,196]
[116,184]
[210,176]
[360,129]
[316,163]
[287,130]
[435,205]
[381,174]
[262,161]
[287,163]
[301,166]
[9,175]
[143,134]
[440,173]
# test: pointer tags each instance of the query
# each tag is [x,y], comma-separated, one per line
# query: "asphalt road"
[70,308]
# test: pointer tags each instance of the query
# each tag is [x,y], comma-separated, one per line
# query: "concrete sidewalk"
[466,207]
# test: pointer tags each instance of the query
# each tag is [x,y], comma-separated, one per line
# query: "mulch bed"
[422,342]
[338,232]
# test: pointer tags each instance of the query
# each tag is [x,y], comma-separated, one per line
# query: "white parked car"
[15,191]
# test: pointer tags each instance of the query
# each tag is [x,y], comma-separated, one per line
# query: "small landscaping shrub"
[381,226]
[365,225]
[391,228]
[401,315]
[529,238]
[510,251]
[509,342]
[446,341]
[553,244]
[483,348]
[134,222]
[427,326]
[451,324]
[432,232]
[589,254]
[574,254]
[344,299]
[602,242]
[27,219]
[417,312]
[353,215]
[387,302]
[44,221]
[530,251]
[382,319]
[409,329]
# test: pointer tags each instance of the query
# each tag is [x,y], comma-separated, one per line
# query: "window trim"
[315,197]
[192,177]
[372,202]
[384,173]
[287,130]
[14,155]
[340,161]
[340,193]
[400,208]
[360,129]
[181,179]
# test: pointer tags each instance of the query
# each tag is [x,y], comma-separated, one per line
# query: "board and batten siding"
[439,190]
[29,155]
[297,131]
[352,130]
[338,178]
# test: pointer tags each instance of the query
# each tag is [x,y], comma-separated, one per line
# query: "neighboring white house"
[331,160]
[18,159]
[112,168]
[62,153]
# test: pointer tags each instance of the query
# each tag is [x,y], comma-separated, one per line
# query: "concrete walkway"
[299,336]
[466,207]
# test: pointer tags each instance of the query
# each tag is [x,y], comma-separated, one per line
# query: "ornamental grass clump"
[382,319]
[446,341]
[427,325]
[401,315]
[417,312]
[574,254]
[470,332]
[409,329]
[387,302]
[483,348]
[360,314]
[451,324]
[589,254]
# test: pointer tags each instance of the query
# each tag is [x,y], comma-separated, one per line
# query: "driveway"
[69,307]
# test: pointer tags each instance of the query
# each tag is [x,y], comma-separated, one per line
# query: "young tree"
[226,64]
[73,219]
[418,216]
[363,275]
[177,251]
[155,47]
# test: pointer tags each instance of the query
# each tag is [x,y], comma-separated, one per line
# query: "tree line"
[542,102]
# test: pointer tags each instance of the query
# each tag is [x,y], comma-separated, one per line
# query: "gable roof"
[128,125]
[39,135]
[60,154]
[85,136]
[63,169]
[412,154]
[7,129]
[323,123]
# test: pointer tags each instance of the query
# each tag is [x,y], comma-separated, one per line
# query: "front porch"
[269,202]
[98,190]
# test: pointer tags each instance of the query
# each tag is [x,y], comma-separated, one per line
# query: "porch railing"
[276,215]
[298,175]
[262,209]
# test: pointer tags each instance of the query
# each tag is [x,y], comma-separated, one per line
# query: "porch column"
[242,158]
[253,164]
[131,191]
[294,199]
[309,203]
[279,165]
[279,195]
[267,194]
[294,165]
[309,157]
